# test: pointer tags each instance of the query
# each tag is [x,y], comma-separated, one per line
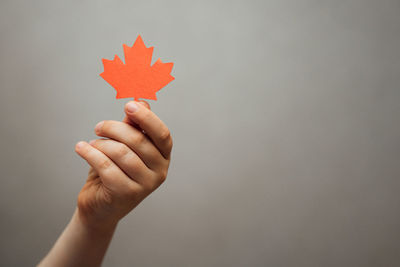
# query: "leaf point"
[137,78]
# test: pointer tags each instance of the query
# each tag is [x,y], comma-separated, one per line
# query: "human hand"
[126,167]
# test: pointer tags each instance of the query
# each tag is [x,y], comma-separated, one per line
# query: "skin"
[129,162]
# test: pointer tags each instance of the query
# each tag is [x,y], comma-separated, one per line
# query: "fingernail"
[131,107]
[91,142]
[80,144]
[98,126]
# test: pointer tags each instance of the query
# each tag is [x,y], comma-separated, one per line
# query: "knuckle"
[170,144]
[105,164]
[132,189]
[134,192]
[135,164]
[148,187]
[163,176]
[151,183]
[122,150]
[168,147]
[165,135]
[138,139]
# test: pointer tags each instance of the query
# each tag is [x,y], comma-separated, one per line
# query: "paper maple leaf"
[137,78]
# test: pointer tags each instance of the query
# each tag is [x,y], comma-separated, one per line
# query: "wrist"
[92,226]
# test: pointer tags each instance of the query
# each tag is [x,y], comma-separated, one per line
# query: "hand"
[126,167]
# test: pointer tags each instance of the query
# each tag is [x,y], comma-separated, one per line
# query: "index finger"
[154,127]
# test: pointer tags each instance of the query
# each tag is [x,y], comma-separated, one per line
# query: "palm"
[95,199]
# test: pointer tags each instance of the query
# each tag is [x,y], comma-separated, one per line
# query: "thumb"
[127,120]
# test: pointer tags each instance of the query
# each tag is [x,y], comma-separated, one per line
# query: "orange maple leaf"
[137,78]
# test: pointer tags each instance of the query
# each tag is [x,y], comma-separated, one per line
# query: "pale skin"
[127,164]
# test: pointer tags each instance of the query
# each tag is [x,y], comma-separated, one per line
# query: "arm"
[79,245]
[126,167]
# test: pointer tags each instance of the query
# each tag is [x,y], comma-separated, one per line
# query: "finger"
[127,120]
[152,125]
[125,159]
[112,177]
[133,138]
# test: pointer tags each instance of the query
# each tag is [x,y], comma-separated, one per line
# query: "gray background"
[285,117]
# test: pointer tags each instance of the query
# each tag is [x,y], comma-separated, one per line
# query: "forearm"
[79,245]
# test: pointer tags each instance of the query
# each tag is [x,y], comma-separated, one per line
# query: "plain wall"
[284,114]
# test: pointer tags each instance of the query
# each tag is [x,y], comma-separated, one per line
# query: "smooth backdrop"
[284,114]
